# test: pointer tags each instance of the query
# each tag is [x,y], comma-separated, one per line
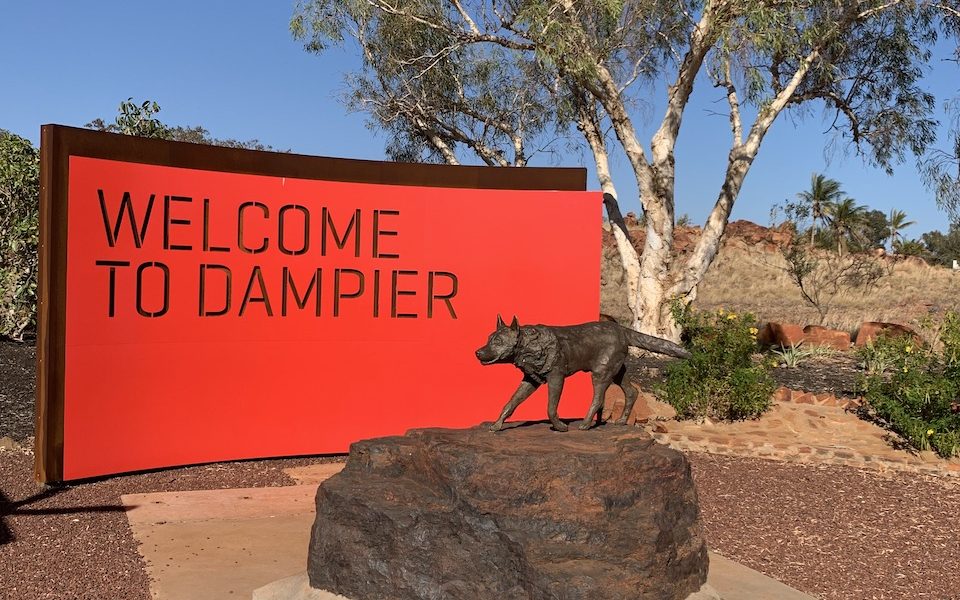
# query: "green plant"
[792,357]
[878,356]
[916,391]
[719,380]
[19,215]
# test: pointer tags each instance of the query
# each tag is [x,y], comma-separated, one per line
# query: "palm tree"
[907,247]
[823,194]
[846,218]
[897,222]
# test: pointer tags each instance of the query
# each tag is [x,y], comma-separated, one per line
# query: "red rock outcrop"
[871,329]
[780,334]
[815,335]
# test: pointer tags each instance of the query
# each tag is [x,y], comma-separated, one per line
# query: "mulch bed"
[831,531]
[17,387]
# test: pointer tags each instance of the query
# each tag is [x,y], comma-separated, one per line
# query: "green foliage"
[910,248]
[794,355]
[19,205]
[875,231]
[19,216]
[817,201]
[434,94]
[898,221]
[140,120]
[719,380]
[135,119]
[915,390]
[847,220]
[878,356]
[943,248]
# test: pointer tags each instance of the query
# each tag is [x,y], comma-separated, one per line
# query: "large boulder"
[525,513]
[871,330]
[815,335]
[780,334]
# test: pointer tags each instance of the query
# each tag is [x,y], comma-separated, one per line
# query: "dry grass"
[744,278]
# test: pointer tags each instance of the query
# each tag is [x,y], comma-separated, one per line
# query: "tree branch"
[736,125]
[740,159]
[701,40]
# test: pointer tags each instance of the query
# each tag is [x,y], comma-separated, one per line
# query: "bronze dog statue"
[551,354]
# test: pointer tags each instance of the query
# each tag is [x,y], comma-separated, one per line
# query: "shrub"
[719,380]
[917,394]
[879,355]
[19,227]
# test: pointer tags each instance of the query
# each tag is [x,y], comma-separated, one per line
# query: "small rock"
[8,444]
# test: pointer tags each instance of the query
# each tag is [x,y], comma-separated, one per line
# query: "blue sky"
[233,68]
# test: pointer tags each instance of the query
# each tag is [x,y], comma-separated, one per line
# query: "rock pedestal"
[525,513]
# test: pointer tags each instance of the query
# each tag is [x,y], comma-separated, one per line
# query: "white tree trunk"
[629,258]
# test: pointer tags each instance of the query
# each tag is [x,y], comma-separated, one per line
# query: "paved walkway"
[800,427]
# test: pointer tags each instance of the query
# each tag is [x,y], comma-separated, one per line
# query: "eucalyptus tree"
[942,248]
[449,77]
[140,120]
[823,193]
[942,165]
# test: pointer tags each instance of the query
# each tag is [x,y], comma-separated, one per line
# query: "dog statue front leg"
[527,387]
[555,387]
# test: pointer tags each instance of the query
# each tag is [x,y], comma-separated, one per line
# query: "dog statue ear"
[514,324]
[500,322]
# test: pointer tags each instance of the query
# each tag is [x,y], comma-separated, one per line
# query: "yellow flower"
[929,432]
[754,331]
[720,312]
[909,349]
[905,369]
[731,316]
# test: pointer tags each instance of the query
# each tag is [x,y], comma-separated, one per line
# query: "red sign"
[215,316]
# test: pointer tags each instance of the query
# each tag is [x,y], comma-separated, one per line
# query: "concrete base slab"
[734,581]
[298,587]
[727,580]
[313,474]
[215,544]
[243,543]
[295,587]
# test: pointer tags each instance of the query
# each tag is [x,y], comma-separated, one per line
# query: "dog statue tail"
[655,344]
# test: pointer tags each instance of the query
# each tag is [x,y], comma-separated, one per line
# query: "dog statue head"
[502,343]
